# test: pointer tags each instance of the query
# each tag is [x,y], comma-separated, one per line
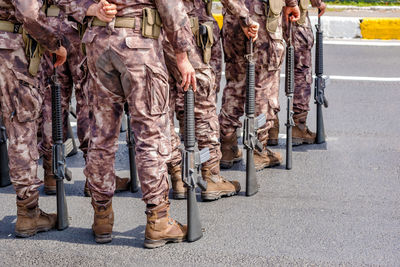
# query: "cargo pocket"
[303,5]
[275,52]
[26,99]
[158,91]
[274,15]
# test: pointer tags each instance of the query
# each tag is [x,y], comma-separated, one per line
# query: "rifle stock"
[4,169]
[289,90]
[58,160]
[191,161]
[319,84]
[130,141]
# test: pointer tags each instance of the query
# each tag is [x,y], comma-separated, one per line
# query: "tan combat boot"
[103,221]
[49,181]
[179,191]
[301,134]
[121,184]
[31,219]
[217,186]
[161,228]
[231,153]
[266,159]
[273,134]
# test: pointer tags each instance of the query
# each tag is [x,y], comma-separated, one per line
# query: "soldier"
[125,60]
[268,51]
[303,41]
[72,74]
[207,128]
[21,102]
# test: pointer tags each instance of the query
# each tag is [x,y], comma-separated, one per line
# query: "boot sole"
[272,142]
[50,190]
[102,239]
[29,233]
[179,195]
[301,141]
[211,196]
[268,166]
[148,243]
[229,164]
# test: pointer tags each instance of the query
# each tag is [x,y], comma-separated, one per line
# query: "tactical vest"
[303,5]
[273,9]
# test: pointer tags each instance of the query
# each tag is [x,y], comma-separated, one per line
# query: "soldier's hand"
[187,71]
[293,11]
[321,8]
[103,10]
[61,55]
[252,30]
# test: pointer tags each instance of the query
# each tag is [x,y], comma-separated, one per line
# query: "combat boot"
[231,153]
[121,184]
[179,191]
[301,134]
[266,159]
[49,181]
[31,219]
[103,221]
[273,134]
[161,228]
[217,186]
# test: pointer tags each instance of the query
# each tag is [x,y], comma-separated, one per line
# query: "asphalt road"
[339,205]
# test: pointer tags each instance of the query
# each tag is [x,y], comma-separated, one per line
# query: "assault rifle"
[289,90]
[251,124]
[319,83]
[58,163]
[130,141]
[4,169]
[191,161]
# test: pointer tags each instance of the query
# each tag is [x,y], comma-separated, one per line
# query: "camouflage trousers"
[268,55]
[126,67]
[71,75]
[20,107]
[205,109]
[303,41]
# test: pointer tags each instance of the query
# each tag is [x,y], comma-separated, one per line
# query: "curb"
[352,27]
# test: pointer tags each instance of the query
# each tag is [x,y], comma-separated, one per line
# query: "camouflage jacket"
[27,12]
[175,21]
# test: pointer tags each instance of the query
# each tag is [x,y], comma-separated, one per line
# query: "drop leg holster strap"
[7,26]
[204,36]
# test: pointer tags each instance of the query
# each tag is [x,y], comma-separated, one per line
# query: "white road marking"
[362,42]
[73,123]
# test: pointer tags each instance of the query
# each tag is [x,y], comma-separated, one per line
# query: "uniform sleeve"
[238,10]
[291,3]
[175,24]
[76,9]
[316,3]
[35,23]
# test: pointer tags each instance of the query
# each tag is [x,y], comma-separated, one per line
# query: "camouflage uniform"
[268,53]
[70,74]
[207,128]
[20,100]
[141,82]
[303,41]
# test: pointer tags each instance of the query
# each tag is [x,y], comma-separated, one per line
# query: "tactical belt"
[120,22]
[10,27]
[53,11]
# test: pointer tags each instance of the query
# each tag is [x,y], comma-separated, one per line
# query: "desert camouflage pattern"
[72,73]
[268,54]
[143,83]
[20,99]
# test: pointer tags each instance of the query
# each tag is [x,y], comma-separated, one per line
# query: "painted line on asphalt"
[362,43]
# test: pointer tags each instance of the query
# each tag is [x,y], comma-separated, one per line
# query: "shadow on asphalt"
[130,238]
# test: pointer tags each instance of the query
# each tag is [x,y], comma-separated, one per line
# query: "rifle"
[4,169]
[251,124]
[58,163]
[130,141]
[320,83]
[191,161]
[289,90]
